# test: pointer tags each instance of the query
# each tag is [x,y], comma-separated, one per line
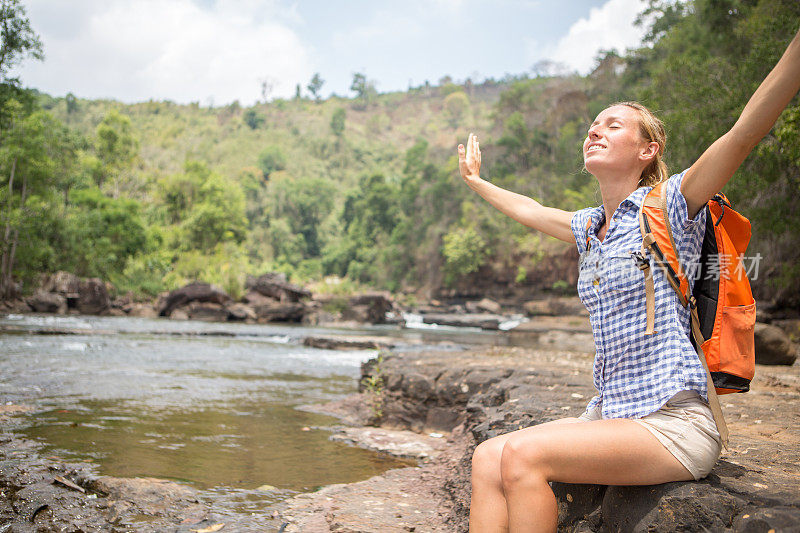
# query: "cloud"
[179,50]
[607,27]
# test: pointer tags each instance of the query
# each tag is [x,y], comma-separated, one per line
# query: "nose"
[594,132]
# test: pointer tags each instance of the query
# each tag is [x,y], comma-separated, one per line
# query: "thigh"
[494,446]
[606,452]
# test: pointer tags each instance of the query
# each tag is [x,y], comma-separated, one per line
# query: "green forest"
[363,191]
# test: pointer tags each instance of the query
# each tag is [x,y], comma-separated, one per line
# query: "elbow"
[744,140]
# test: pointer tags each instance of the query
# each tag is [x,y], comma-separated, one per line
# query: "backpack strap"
[588,239]
[657,237]
[713,399]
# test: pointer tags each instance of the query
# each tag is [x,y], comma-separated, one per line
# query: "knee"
[486,460]
[522,462]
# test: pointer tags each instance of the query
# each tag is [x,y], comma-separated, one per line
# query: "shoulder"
[677,208]
[579,222]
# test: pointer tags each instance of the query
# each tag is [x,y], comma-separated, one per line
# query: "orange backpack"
[723,311]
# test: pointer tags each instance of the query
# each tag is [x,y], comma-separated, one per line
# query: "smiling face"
[614,143]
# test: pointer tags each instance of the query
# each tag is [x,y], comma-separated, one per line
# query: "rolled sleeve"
[678,210]
[578,224]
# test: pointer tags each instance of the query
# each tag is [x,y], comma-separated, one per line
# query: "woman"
[650,422]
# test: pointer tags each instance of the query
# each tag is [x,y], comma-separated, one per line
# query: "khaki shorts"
[685,426]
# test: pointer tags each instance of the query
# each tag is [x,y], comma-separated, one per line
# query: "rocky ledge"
[471,396]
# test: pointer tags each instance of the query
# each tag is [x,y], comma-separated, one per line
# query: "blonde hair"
[652,130]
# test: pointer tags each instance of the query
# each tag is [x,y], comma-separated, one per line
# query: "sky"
[217,51]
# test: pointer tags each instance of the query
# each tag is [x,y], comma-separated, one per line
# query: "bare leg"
[488,510]
[605,452]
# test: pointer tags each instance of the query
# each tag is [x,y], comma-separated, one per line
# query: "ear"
[649,152]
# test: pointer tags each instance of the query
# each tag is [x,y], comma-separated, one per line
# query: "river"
[208,404]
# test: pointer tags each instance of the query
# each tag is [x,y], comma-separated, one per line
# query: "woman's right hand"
[469,159]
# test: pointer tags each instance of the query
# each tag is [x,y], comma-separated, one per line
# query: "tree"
[464,252]
[337,121]
[116,147]
[71,102]
[364,89]
[315,85]
[253,118]
[271,159]
[18,39]
[26,157]
[456,107]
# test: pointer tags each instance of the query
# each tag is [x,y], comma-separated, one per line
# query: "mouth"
[594,148]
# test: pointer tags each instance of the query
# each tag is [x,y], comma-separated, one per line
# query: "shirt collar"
[632,201]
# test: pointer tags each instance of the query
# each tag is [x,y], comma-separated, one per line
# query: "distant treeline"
[152,195]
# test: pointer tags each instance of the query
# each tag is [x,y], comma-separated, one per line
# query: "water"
[211,405]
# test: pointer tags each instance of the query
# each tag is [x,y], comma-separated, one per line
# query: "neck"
[616,188]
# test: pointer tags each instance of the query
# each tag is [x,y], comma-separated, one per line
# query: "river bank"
[480,394]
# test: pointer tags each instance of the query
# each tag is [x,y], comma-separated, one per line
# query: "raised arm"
[528,211]
[715,167]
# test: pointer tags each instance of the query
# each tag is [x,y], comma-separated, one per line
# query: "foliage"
[375,387]
[337,121]
[315,85]
[156,194]
[456,108]
[464,251]
[18,39]
[271,159]
[253,119]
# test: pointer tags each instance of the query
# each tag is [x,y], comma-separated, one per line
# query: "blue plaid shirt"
[635,374]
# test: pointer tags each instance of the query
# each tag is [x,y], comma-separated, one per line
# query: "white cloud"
[607,27]
[178,50]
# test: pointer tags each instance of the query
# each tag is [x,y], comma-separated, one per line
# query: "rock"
[254,298]
[274,285]
[93,297]
[241,312]
[141,310]
[556,306]
[179,314]
[15,305]
[791,326]
[485,304]
[370,307]
[398,443]
[207,312]
[483,321]
[63,283]
[193,292]
[48,302]
[280,312]
[773,346]
[338,342]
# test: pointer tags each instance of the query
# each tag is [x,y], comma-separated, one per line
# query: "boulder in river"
[194,292]
[141,310]
[485,305]
[48,302]
[207,311]
[241,312]
[63,283]
[274,285]
[565,305]
[370,307]
[479,320]
[93,297]
[773,346]
[280,312]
